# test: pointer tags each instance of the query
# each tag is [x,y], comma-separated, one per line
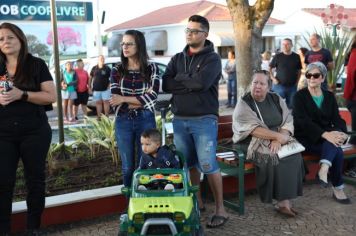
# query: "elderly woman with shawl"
[262,123]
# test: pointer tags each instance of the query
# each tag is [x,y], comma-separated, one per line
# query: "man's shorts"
[82,98]
[196,140]
[102,95]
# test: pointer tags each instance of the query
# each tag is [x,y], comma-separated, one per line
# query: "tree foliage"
[35,47]
[66,38]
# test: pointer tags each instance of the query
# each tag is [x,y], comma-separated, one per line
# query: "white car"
[111,62]
[89,63]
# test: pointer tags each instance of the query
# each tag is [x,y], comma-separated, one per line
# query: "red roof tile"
[351,12]
[180,13]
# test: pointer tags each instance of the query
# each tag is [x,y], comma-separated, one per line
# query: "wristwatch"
[24,96]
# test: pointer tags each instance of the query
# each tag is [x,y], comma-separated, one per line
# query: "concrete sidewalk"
[318,215]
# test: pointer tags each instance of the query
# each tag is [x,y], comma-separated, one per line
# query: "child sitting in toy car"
[154,155]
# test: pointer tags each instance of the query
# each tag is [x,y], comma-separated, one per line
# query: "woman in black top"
[26,89]
[319,127]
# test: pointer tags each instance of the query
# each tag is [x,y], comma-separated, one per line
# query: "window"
[159,53]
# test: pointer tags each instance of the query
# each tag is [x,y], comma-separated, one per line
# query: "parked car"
[111,62]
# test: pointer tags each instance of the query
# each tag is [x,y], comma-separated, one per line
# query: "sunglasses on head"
[315,75]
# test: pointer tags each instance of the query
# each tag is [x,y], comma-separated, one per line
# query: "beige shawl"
[245,120]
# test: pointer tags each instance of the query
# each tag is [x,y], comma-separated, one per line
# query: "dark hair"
[22,67]
[289,40]
[152,134]
[202,20]
[317,36]
[263,72]
[232,52]
[79,60]
[142,55]
[303,50]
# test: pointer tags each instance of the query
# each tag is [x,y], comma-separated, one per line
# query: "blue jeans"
[196,139]
[286,92]
[332,156]
[128,130]
[232,91]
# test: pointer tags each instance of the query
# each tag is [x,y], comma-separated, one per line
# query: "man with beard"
[317,53]
[192,76]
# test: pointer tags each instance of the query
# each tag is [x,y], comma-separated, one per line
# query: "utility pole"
[99,43]
[57,78]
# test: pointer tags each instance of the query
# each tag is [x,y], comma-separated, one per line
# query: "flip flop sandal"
[216,219]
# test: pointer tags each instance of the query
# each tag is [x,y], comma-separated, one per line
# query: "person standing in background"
[27,91]
[302,81]
[230,69]
[288,70]
[82,89]
[266,60]
[317,53]
[69,94]
[100,86]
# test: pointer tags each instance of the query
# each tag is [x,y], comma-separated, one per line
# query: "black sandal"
[215,219]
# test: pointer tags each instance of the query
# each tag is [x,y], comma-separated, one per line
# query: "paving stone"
[318,215]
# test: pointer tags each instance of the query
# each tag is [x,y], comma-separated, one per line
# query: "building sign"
[41,10]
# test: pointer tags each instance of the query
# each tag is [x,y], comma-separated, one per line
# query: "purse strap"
[259,113]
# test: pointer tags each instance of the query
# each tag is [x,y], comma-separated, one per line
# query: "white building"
[75,21]
[164,28]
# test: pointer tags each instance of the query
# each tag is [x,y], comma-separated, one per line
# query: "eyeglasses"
[315,75]
[129,44]
[193,31]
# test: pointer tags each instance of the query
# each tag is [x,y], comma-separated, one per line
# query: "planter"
[72,207]
[74,175]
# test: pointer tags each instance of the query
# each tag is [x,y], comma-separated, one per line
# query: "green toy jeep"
[162,202]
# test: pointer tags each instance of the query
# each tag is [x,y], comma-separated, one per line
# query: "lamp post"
[63,155]
[334,17]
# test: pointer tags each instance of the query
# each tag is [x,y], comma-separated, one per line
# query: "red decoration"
[334,14]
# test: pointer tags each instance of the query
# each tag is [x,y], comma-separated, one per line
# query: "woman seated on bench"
[319,127]
[262,123]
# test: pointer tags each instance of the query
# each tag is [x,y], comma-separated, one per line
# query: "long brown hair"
[142,56]
[22,67]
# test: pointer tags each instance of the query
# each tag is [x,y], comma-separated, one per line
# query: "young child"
[154,155]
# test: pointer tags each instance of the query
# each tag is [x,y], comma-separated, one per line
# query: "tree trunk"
[248,22]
